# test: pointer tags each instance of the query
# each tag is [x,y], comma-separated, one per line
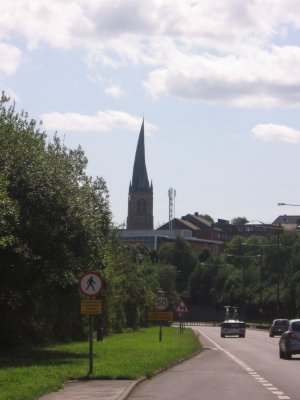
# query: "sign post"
[91,284]
[161,303]
[181,309]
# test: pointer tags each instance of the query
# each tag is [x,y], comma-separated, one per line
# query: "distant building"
[288,222]
[155,238]
[222,230]
[140,197]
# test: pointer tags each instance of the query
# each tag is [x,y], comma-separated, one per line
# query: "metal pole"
[160,332]
[260,284]
[278,275]
[244,292]
[91,352]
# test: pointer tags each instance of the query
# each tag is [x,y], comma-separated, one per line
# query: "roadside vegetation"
[132,355]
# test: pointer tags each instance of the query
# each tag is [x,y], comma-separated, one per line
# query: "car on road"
[233,328]
[278,327]
[289,342]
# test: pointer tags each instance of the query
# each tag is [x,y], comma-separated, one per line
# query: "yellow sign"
[160,315]
[91,307]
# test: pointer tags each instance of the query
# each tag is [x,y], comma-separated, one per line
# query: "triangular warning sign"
[181,307]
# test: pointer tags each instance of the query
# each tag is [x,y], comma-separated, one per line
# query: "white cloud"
[114,91]
[187,46]
[276,133]
[10,59]
[255,78]
[102,121]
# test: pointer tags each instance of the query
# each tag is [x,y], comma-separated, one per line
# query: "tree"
[55,225]
[132,284]
[239,221]
[207,218]
[183,257]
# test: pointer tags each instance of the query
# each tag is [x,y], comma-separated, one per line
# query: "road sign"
[160,316]
[91,283]
[91,307]
[161,303]
[181,307]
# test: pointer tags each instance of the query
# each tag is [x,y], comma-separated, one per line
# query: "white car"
[233,328]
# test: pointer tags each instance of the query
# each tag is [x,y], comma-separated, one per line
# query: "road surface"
[229,368]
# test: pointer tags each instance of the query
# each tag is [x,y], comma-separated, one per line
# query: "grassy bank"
[28,375]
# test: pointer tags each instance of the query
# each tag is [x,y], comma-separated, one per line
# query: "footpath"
[93,390]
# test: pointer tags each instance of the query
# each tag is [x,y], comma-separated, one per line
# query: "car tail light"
[291,335]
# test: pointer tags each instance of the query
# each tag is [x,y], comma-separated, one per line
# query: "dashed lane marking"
[251,372]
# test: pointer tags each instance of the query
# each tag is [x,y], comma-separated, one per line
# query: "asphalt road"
[229,368]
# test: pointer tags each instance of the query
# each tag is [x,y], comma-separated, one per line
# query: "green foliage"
[167,276]
[183,257]
[239,221]
[55,224]
[207,218]
[9,215]
[258,274]
[132,284]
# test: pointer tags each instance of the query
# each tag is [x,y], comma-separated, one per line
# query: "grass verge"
[29,375]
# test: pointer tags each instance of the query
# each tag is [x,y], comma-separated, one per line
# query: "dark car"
[289,342]
[233,328]
[278,327]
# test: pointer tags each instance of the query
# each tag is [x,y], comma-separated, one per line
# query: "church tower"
[140,197]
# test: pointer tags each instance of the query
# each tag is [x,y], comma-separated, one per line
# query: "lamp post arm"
[287,204]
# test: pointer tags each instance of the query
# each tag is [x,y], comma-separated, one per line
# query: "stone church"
[140,197]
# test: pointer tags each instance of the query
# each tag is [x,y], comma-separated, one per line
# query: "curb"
[134,384]
[129,389]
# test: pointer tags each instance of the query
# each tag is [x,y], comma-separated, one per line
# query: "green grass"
[29,375]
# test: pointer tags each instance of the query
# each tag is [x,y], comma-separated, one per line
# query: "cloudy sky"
[218,83]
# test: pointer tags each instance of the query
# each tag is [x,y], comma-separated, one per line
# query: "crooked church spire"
[140,199]
[140,182]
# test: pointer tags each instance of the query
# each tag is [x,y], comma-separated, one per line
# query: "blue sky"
[218,83]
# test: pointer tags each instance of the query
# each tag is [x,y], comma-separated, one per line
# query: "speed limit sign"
[161,303]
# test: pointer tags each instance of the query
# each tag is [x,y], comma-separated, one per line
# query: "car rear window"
[233,325]
[296,326]
[281,322]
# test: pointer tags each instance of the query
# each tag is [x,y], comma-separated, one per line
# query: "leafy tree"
[239,221]
[207,218]
[132,284]
[167,276]
[55,225]
[183,257]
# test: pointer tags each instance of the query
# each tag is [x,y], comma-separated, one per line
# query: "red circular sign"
[161,303]
[91,283]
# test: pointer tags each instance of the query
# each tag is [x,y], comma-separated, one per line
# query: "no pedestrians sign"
[91,283]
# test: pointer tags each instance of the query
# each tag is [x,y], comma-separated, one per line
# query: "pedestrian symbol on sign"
[90,284]
[181,307]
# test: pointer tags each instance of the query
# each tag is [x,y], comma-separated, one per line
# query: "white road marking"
[278,393]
